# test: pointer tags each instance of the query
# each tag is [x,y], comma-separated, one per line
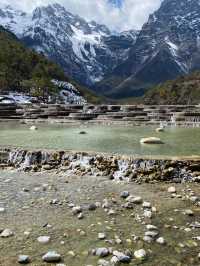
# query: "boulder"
[151,140]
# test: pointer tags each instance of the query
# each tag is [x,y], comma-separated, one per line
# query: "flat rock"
[135,200]
[51,256]
[6,233]
[43,239]
[151,140]
[23,259]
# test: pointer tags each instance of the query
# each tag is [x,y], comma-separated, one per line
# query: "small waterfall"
[45,157]
[22,159]
[27,161]
[163,124]
[16,157]
[173,121]
[123,166]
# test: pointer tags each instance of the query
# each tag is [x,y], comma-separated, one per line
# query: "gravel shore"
[88,220]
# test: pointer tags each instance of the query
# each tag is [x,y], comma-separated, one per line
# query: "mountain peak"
[116,3]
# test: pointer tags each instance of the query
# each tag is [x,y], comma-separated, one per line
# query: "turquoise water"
[111,139]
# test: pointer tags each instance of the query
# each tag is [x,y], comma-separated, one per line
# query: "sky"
[127,14]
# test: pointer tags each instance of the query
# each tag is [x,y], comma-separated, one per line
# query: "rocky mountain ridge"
[115,65]
[86,50]
[167,46]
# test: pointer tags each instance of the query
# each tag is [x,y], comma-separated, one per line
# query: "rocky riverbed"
[92,220]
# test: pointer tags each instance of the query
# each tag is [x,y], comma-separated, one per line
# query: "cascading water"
[123,166]
[16,157]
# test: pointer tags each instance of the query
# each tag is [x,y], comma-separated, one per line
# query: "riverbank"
[90,220]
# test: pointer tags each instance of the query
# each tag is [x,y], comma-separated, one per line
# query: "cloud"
[131,15]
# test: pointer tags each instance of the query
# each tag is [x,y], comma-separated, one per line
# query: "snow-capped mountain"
[86,50]
[116,3]
[167,46]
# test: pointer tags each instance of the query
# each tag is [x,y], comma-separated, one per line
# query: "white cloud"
[132,14]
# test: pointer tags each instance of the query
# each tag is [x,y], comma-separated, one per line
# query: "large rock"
[151,140]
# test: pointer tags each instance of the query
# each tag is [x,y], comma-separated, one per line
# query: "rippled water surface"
[116,139]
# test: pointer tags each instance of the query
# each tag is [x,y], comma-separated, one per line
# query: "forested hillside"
[24,70]
[183,90]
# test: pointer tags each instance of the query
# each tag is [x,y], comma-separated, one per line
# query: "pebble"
[111,212]
[171,190]
[43,239]
[151,227]
[152,234]
[118,241]
[102,252]
[51,256]
[101,236]
[161,241]
[122,257]
[146,205]
[148,214]
[92,207]
[124,194]
[80,216]
[25,189]
[189,212]
[103,263]
[76,210]
[2,210]
[27,233]
[194,199]
[147,239]
[71,253]
[140,254]
[6,233]
[114,261]
[23,259]
[187,230]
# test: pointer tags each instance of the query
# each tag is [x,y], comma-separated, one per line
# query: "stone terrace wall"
[132,113]
[114,167]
